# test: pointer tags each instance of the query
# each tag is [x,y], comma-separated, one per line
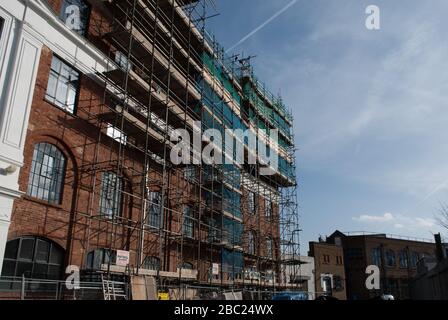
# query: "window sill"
[72,114]
[43,202]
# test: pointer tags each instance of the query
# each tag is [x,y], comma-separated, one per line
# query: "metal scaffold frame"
[165,72]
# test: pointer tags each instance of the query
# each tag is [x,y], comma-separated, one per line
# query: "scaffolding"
[184,225]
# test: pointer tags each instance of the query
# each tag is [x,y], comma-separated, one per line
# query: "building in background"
[298,274]
[431,281]
[98,99]
[329,273]
[396,257]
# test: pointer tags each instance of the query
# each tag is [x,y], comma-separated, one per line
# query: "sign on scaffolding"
[122,258]
[215,269]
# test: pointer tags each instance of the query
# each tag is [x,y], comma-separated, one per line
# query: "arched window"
[390,258]
[154,209]
[268,209]
[251,203]
[188,222]
[34,258]
[376,257]
[403,259]
[47,173]
[187,266]
[151,263]
[252,249]
[269,247]
[111,195]
[415,257]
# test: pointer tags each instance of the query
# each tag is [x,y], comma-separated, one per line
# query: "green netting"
[219,72]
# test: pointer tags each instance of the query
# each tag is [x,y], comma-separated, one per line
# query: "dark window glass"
[12,249]
[56,256]
[151,263]
[269,248]
[251,203]
[42,251]
[63,84]
[390,258]
[414,259]
[8,268]
[187,266]
[188,222]
[403,259]
[47,173]
[251,243]
[75,14]
[27,249]
[2,21]
[154,208]
[24,269]
[376,257]
[111,195]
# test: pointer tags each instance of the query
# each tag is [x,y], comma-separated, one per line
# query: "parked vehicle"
[303,296]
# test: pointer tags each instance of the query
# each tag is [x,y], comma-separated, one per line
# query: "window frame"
[188,222]
[57,181]
[376,257]
[269,247]
[251,243]
[53,249]
[149,261]
[53,99]
[118,203]
[158,209]
[269,209]
[390,256]
[251,204]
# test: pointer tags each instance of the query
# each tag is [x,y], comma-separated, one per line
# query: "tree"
[442,218]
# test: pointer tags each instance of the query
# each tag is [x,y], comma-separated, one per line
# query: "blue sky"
[370,107]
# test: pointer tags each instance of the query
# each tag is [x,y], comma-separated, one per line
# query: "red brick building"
[96,175]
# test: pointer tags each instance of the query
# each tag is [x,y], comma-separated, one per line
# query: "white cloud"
[367,218]
[397,221]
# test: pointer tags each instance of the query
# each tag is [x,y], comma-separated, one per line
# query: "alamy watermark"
[226,147]
[373,21]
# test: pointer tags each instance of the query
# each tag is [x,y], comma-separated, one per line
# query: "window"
[190,174]
[34,258]
[327,259]
[75,14]
[339,260]
[96,258]
[47,173]
[187,266]
[116,134]
[390,258]
[251,243]
[338,283]
[269,247]
[415,257]
[188,222]
[376,257]
[154,209]
[269,209]
[251,203]
[403,259]
[111,195]
[122,61]
[63,84]
[151,263]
